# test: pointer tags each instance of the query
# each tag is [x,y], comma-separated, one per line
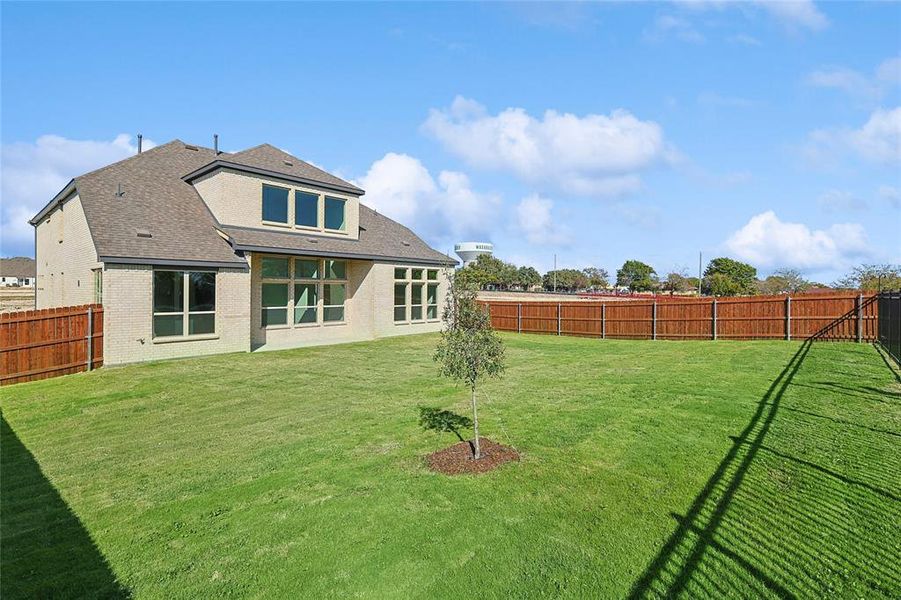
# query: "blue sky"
[600,132]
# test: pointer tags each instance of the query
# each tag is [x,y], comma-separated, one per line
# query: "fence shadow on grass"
[45,551]
[788,525]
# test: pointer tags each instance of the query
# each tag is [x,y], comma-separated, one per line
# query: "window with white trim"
[312,291]
[184,303]
[415,295]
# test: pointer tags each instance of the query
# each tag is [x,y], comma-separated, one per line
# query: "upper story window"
[334,213]
[306,209]
[275,204]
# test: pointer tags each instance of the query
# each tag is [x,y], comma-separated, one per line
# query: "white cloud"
[792,14]
[669,26]
[444,210]
[840,201]
[767,242]
[890,194]
[856,84]
[595,154]
[800,13]
[535,220]
[878,140]
[33,172]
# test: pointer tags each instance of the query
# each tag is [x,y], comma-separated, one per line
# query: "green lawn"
[649,468]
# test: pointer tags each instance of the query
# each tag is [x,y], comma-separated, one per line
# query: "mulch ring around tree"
[457,459]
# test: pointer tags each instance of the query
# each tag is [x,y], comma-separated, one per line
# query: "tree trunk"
[476,452]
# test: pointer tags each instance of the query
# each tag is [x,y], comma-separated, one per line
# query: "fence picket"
[37,344]
[832,317]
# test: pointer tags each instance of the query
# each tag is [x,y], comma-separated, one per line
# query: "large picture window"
[275,204]
[312,290]
[184,303]
[415,295]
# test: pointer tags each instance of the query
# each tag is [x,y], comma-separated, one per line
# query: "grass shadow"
[45,551]
[670,571]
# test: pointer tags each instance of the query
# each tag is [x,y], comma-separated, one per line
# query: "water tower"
[469,251]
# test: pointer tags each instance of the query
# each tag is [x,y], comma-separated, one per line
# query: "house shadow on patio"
[45,551]
[790,509]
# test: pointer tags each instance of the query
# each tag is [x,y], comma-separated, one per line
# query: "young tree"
[469,349]
[742,277]
[637,276]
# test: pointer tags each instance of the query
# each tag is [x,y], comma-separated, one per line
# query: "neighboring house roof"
[19,267]
[161,219]
[380,238]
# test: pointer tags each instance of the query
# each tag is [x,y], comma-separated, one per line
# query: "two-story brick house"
[193,251]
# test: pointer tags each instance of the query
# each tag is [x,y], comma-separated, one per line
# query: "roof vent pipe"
[140,142]
[216,142]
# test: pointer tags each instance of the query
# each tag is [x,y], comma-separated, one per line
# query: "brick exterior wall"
[369,310]
[65,257]
[128,317]
[237,199]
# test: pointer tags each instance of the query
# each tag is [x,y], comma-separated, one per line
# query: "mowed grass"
[707,469]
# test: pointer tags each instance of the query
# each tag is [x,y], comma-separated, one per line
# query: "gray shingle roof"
[17,266]
[380,238]
[155,199]
[270,158]
[158,200]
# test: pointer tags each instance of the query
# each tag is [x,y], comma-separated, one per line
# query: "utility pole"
[555,272]
[700,260]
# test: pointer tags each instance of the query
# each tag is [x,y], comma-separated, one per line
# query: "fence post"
[90,338]
[859,318]
[603,321]
[714,318]
[788,318]
[654,321]
[558,318]
[519,318]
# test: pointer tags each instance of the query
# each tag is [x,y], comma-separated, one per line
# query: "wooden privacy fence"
[835,317]
[37,344]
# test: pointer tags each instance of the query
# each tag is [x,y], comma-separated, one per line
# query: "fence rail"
[839,317]
[890,323]
[37,344]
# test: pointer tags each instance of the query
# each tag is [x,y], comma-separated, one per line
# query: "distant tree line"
[723,277]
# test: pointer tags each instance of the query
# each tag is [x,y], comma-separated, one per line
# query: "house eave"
[64,193]
[171,262]
[347,255]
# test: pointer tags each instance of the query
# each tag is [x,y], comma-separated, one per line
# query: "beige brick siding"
[128,317]
[237,199]
[369,310]
[65,257]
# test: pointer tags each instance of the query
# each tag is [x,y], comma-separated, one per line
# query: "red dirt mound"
[457,459]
